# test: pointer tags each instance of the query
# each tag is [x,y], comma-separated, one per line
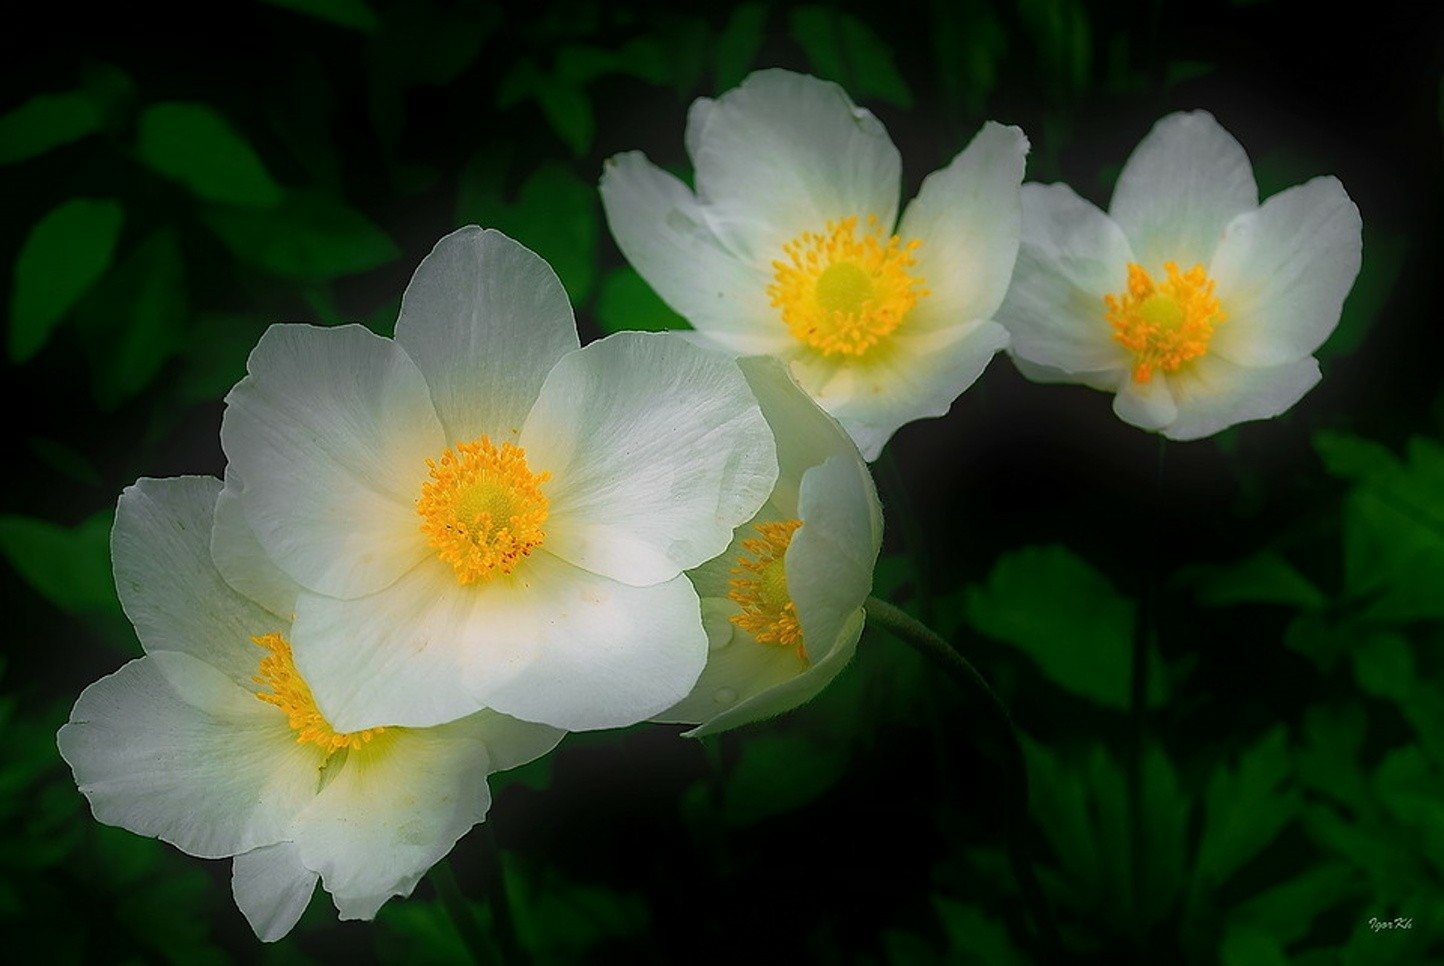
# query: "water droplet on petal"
[725,696]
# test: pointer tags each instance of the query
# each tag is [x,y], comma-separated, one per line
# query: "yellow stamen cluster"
[841,294]
[1164,324]
[759,584]
[289,692]
[482,510]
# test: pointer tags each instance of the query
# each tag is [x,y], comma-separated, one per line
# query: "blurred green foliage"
[166,198]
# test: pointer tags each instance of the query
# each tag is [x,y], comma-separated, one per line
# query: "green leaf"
[214,356]
[309,238]
[1328,760]
[65,460]
[1353,458]
[559,921]
[45,122]
[1247,946]
[1166,811]
[355,14]
[739,44]
[842,48]
[1264,578]
[433,44]
[969,44]
[1320,638]
[1063,41]
[194,145]
[1061,612]
[65,254]
[1287,911]
[1384,667]
[626,301]
[973,937]
[1383,263]
[1245,809]
[422,933]
[778,773]
[70,567]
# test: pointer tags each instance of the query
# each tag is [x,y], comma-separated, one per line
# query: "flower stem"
[459,911]
[932,646]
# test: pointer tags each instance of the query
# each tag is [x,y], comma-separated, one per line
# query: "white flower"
[787,248]
[784,604]
[482,515]
[1196,305]
[212,743]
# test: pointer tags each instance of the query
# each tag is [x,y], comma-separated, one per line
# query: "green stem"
[932,646]
[503,926]
[459,911]
[895,494]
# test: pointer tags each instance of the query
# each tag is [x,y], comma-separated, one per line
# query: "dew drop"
[725,696]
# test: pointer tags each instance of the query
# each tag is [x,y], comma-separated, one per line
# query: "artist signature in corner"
[1399,922]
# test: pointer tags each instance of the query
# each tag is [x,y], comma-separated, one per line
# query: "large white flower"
[1198,306]
[483,515]
[784,604]
[787,248]
[212,742]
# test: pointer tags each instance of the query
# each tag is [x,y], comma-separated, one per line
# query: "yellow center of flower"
[759,584]
[840,293]
[289,692]
[1164,324]
[482,510]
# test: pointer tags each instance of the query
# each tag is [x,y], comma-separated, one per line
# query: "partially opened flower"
[1196,305]
[213,743]
[784,604]
[791,247]
[480,514]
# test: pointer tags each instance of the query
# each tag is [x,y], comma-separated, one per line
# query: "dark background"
[1292,784]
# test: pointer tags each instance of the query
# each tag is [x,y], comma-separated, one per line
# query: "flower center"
[841,294]
[1164,324]
[482,510]
[759,584]
[290,693]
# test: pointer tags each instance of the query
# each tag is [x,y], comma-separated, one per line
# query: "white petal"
[1147,405]
[485,319]
[1282,273]
[330,433]
[831,558]
[1072,255]
[656,450]
[658,225]
[550,642]
[1108,380]
[905,378]
[967,217]
[1179,189]
[272,888]
[786,153]
[170,589]
[1214,394]
[394,808]
[212,785]
[242,561]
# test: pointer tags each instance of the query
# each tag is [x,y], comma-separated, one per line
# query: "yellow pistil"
[759,584]
[482,510]
[841,294]
[1164,325]
[289,692]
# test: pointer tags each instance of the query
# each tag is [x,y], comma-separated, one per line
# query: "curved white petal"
[211,784]
[272,888]
[394,808]
[902,379]
[168,586]
[1071,256]
[242,561]
[1282,273]
[484,319]
[330,433]
[656,450]
[1108,380]
[1213,394]
[662,231]
[1147,405]
[785,153]
[967,217]
[1180,188]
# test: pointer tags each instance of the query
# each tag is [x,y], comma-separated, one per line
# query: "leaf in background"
[559,921]
[1328,761]
[969,43]
[1384,667]
[973,937]
[214,356]
[842,48]
[1264,578]
[1059,802]
[1247,946]
[423,933]
[1245,809]
[355,14]
[779,773]
[626,301]
[1320,638]
[65,254]
[1064,44]
[193,144]
[70,567]
[1383,263]
[310,237]
[566,107]
[1352,457]
[685,43]
[1166,811]
[738,44]
[430,43]
[171,915]
[45,122]
[1061,612]
[1286,911]
[65,460]
[135,320]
